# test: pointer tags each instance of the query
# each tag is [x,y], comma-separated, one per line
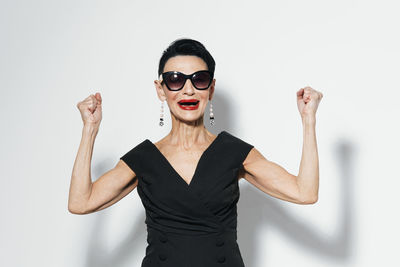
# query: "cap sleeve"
[238,147]
[244,150]
[133,158]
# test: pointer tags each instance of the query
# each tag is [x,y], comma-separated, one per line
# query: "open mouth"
[189,103]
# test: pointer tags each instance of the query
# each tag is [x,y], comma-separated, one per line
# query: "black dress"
[191,225]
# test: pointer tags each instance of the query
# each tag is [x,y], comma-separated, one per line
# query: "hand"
[90,109]
[307,101]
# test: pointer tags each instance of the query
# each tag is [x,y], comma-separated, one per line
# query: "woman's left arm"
[273,179]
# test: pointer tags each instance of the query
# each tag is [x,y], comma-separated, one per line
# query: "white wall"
[55,53]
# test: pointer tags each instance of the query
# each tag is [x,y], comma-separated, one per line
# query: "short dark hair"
[186,47]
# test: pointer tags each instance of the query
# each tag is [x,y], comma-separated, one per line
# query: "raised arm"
[273,179]
[84,195]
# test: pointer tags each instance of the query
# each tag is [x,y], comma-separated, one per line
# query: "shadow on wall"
[257,210]
[130,247]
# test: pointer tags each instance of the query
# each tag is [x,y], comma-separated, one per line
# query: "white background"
[55,53]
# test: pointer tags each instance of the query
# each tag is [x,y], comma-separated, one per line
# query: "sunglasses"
[175,80]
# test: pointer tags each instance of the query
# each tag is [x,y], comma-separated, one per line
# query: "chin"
[189,119]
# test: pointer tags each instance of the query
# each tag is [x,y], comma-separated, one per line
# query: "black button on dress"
[191,225]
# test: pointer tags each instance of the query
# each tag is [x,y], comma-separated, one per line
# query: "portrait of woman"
[188,181]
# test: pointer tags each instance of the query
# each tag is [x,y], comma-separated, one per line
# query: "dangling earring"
[211,115]
[162,115]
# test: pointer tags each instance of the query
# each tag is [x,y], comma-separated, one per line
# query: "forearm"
[308,177]
[81,182]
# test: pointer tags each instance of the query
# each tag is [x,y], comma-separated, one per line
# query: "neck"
[187,133]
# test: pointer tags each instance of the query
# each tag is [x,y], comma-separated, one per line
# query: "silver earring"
[212,121]
[162,114]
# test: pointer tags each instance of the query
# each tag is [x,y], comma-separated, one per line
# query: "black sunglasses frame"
[165,75]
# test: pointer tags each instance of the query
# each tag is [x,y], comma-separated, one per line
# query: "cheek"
[204,98]
[171,97]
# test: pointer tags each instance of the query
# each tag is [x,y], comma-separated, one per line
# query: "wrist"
[90,128]
[309,119]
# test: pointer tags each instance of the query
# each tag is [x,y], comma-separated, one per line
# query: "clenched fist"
[90,109]
[308,100]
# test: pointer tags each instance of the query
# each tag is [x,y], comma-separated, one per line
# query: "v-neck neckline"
[198,162]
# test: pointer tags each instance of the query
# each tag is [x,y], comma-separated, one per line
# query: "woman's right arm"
[86,196]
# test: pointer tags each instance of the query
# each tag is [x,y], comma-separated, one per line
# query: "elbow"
[307,196]
[309,200]
[76,210]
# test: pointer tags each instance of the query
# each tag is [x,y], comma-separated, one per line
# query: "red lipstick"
[189,104]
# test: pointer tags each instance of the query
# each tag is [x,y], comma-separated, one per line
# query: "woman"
[188,181]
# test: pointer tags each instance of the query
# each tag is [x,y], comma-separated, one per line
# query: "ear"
[212,88]
[160,91]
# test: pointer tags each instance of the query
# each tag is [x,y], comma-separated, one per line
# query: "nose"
[188,87]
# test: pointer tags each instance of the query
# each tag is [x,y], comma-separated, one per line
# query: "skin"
[184,145]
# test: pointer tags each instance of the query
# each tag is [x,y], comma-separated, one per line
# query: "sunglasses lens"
[175,81]
[201,80]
